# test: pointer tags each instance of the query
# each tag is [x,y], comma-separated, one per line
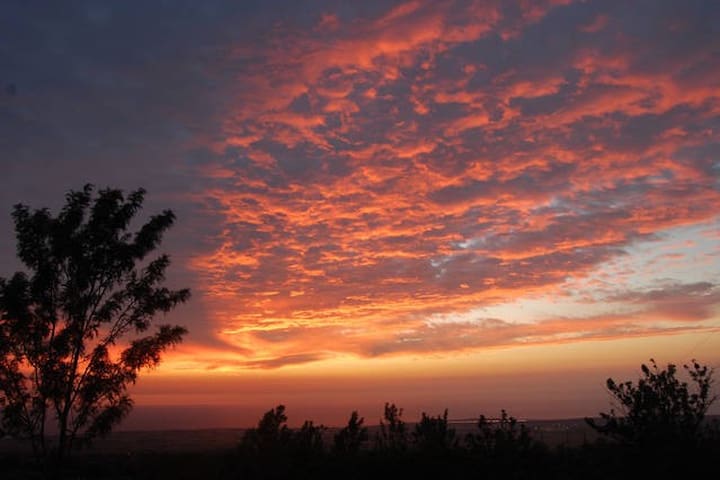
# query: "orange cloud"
[438,158]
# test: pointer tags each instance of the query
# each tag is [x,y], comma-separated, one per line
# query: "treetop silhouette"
[73,326]
[350,438]
[660,408]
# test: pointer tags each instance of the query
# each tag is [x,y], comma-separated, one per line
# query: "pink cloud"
[404,165]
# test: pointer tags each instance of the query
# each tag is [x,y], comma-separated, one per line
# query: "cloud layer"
[437,157]
[374,179]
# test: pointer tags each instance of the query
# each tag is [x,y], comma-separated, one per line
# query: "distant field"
[571,432]
[212,453]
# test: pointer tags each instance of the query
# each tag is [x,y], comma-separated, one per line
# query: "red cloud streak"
[375,173]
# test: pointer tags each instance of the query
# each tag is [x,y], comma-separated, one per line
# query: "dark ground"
[566,449]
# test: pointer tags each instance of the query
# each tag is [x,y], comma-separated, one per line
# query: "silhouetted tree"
[271,433]
[309,438]
[349,439]
[433,433]
[501,438]
[64,351]
[660,408]
[393,431]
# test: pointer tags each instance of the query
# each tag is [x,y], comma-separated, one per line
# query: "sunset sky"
[465,204]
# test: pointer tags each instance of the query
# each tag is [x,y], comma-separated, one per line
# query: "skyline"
[493,198]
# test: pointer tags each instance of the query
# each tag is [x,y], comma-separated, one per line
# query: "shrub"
[349,439]
[660,408]
[393,431]
[433,433]
[309,438]
[500,438]
[271,433]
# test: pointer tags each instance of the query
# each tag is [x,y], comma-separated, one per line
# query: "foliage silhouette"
[499,450]
[308,440]
[71,330]
[393,431]
[660,408]
[272,432]
[433,433]
[273,450]
[349,439]
[505,437]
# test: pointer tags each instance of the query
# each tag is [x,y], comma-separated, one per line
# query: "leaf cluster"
[350,438]
[501,437]
[64,319]
[660,408]
[272,435]
[433,433]
[393,435]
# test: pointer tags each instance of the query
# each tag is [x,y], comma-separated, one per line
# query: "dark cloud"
[689,302]
[286,360]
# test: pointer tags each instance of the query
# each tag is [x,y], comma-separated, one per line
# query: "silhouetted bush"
[505,437]
[309,438]
[433,434]
[393,431]
[271,433]
[660,409]
[272,450]
[349,439]
[499,449]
